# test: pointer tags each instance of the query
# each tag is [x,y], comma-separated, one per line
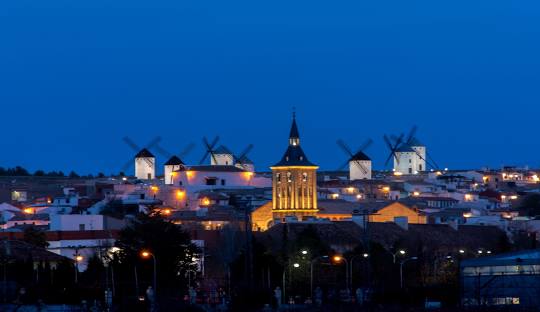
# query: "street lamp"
[145,255]
[400,252]
[401,269]
[365,256]
[339,259]
[311,263]
[78,259]
[295,265]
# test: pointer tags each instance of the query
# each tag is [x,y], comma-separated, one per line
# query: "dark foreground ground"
[283,308]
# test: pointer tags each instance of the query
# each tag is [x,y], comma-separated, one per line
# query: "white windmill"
[360,165]
[145,161]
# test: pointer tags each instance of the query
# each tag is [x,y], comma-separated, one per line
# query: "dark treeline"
[19,171]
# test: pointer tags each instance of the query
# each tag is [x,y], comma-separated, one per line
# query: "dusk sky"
[77,76]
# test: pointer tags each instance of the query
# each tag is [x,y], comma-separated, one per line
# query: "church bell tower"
[294,181]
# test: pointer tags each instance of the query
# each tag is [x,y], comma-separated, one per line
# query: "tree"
[530,205]
[73,175]
[170,245]
[35,236]
[39,173]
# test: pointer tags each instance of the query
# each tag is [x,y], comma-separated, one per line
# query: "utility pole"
[249,253]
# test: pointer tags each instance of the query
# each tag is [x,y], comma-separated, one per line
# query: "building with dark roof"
[294,180]
[510,280]
[145,165]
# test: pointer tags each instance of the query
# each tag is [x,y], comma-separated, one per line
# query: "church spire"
[294,136]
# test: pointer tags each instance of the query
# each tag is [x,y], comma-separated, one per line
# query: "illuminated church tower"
[294,181]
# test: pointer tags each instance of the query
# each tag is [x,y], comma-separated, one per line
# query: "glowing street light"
[339,259]
[145,254]
[78,259]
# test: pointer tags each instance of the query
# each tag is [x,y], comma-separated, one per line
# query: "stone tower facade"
[294,181]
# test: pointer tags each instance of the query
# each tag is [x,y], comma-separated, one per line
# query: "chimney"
[402,222]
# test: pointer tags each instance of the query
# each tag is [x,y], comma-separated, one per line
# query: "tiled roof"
[22,251]
[294,156]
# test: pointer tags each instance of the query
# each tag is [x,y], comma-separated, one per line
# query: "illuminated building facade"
[294,181]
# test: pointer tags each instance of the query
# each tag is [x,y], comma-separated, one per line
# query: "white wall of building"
[145,168]
[407,162]
[77,223]
[222,160]
[420,164]
[169,173]
[357,172]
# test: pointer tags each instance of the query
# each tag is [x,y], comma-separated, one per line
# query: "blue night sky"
[76,76]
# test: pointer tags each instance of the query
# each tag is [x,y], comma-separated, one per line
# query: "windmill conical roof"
[144,153]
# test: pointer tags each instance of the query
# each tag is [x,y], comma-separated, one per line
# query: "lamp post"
[401,269]
[146,254]
[365,255]
[78,258]
[295,265]
[400,252]
[311,263]
[339,259]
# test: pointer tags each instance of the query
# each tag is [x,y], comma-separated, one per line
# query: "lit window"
[304,176]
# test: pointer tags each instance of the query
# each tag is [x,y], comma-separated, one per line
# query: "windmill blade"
[411,135]
[203,158]
[162,151]
[388,143]
[149,162]
[392,148]
[342,167]
[362,167]
[432,162]
[366,144]
[154,142]
[214,142]
[127,165]
[345,148]
[186,150]
[209,149]
[131,144]
[242,156]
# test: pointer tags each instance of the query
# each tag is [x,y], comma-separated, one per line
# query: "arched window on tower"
[289,177]
[304,177]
